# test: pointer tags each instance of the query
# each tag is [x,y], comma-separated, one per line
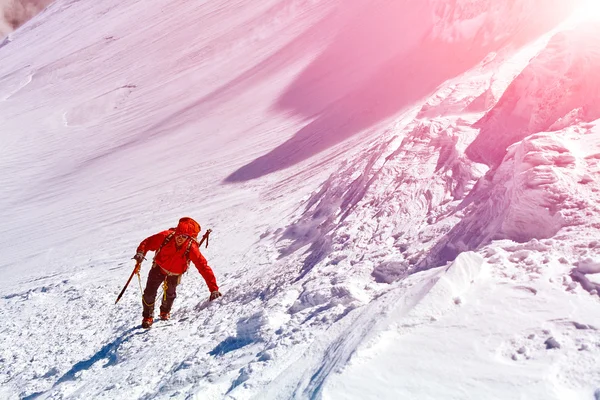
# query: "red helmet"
[187,226]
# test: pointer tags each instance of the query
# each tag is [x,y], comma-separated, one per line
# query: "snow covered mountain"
[404,197]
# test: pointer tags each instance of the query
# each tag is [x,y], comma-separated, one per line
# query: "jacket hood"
[187,226]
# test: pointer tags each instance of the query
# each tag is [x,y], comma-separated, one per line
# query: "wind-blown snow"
[404,197]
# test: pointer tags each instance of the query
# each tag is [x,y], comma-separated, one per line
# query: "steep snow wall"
[539,188]
[416,198]
[386,56]
[558,88]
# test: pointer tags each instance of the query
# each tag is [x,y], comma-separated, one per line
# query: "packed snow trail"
[353,225]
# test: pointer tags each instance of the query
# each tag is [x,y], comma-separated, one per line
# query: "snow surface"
[404,197]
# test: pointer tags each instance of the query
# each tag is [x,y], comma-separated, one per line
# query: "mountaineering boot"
[147,322]
[164,316]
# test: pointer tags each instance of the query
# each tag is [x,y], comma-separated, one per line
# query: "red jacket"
[171,257]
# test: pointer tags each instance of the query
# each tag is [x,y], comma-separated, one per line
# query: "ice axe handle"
[135,269]
[205,237]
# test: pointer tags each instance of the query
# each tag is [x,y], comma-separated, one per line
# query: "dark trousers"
[155,278]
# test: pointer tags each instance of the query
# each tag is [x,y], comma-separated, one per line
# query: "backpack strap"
[167,240]
[189,247]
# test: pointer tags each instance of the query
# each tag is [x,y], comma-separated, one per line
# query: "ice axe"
[136,270]
[205,237]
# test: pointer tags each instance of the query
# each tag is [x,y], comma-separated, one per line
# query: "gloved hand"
[214,295]
[139,257]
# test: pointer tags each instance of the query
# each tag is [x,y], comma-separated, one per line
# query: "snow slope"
[403,194]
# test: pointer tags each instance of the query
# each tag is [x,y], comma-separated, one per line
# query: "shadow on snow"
[108,352]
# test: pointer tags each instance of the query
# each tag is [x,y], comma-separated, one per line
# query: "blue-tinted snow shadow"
[248,329]
[33,396]
[230,343]
[108,352]
[248,332]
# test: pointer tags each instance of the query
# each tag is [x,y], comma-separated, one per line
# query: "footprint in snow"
[541,343]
